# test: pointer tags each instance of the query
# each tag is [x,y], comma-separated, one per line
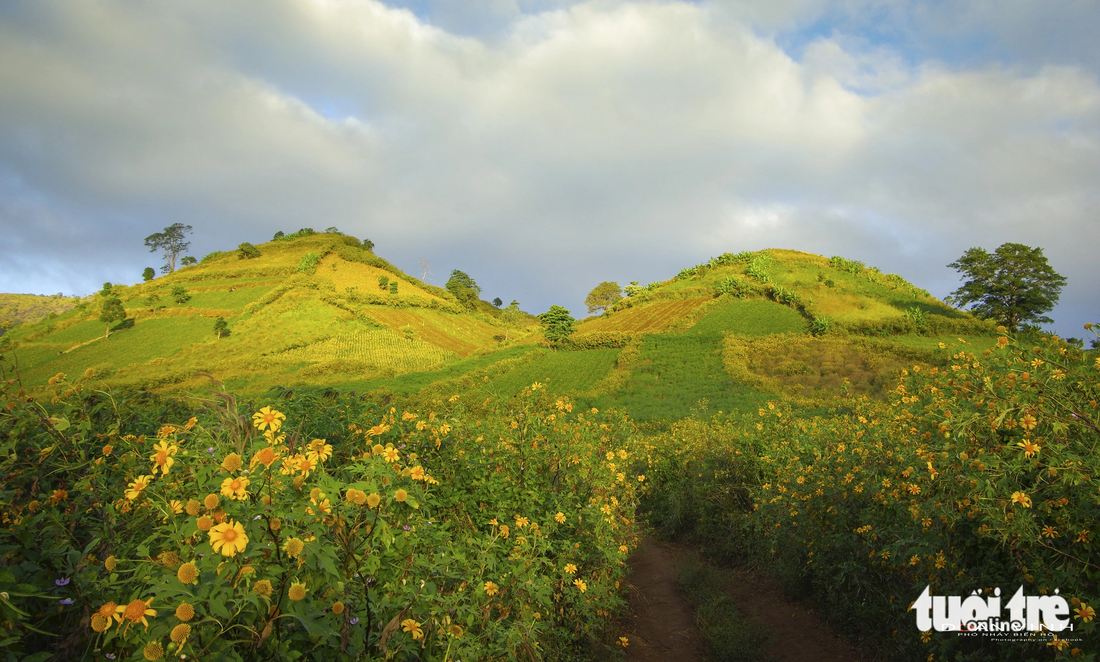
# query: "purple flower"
[210,450]
[407,527]
[62,582]
[67,601]
[354,620]
[110,656]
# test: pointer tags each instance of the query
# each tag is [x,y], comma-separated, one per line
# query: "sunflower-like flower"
[319,451]
[373,500]
[136,488]
[180,633]
[358,497]
[135,612]
[294,547]
[187,573]
[153,651]
[229,538]
[232,462]
[185,612]
[162,458]
[265,456]
[412,627]
[268,419]
[235,488]
[262,587]
[297,591]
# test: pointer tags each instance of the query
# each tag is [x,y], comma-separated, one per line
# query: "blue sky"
[544,146]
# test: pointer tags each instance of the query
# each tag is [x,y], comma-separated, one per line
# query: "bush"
[180,294]
[247,251]
[309,262]
[977,475]
[335,530]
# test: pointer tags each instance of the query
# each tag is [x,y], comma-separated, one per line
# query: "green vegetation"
[559,372]
[813,416]
[730,636]
[171,241]
[603,297]
[1013,286]
[557,325]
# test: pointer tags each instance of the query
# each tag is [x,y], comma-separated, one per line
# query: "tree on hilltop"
[603,296]
[464,288]
[149,274]
[171,241]
[1014,285]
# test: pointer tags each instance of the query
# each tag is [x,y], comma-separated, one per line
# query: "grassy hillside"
[309,310]
[19,309]
[322,310]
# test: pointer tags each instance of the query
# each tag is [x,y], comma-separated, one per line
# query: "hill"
[19,309]
[309,309]
[729,334]
[323,310]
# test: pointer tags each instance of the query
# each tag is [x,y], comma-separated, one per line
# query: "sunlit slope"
[311,310]
[741,328]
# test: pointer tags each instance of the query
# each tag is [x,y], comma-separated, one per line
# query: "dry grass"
[801,365]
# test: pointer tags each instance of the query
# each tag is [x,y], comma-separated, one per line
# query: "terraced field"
[461,335]
[650,318]
[381,348]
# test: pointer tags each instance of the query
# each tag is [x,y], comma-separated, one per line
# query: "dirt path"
[662,624]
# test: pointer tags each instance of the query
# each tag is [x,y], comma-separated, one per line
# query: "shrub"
[337,515]
[247,251]
[383,283]
[180,294]
[309,262]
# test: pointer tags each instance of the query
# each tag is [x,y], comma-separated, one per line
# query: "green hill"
[322,310]
[307,310]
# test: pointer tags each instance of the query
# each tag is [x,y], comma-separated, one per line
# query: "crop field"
[146,340]
[77,333]
[222,298]
[750,317]
[560,372]
[462,335]
[381,348]
[344,274]
[675,375]
[413,382]
[650,318]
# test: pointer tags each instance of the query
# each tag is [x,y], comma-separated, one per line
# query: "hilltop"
[30,308]
[324,310]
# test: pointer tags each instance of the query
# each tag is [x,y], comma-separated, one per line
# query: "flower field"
[974,476]
[310,528]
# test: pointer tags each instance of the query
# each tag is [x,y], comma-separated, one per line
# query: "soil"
[661,626]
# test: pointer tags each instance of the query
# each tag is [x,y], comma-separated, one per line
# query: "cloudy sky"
[544,146]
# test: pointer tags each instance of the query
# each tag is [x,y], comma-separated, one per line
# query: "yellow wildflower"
[229,538]
[268,418]
[162,458]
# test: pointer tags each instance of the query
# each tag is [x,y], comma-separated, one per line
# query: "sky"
[545,146]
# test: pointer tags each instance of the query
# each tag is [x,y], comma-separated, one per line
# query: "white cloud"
[587,142]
